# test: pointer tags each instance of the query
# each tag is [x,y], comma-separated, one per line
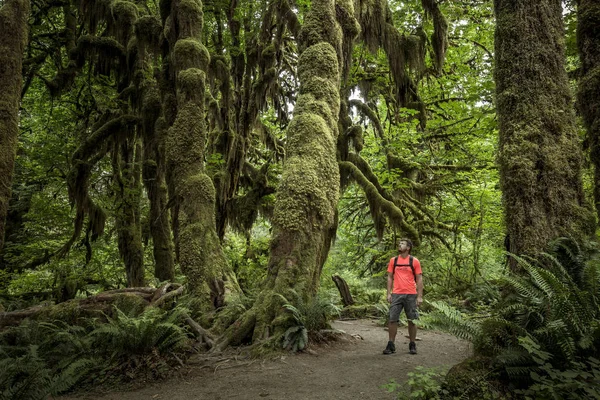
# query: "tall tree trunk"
[539,155]
[200,254]
[153,173]
[588,95]
[126,162]
[308,195]
[13,38]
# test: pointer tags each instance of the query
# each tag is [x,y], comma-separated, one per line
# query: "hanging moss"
[190,18]
[148,32]
[439,38]
[124,14]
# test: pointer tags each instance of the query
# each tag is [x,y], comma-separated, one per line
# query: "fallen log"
[100,305]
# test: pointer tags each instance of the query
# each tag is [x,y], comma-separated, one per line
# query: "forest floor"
[352,368]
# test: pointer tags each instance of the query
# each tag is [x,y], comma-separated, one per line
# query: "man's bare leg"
[392,330]
[412,331]
[412,334]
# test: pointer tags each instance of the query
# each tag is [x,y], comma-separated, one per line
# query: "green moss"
[124,12]
[148,31]
[190,83]
[69,312]
[320,26]
[191,19]
[200,188]
[319,60]
[190,53]
[322,89]
[345,17]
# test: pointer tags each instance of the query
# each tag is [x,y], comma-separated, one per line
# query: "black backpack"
[410,264]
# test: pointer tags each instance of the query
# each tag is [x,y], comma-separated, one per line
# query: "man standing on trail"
[404,291]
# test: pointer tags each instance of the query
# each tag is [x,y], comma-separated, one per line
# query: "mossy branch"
[91,144]
[366,111]
[395,214]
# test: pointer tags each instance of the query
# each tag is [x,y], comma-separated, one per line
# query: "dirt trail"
[351,369]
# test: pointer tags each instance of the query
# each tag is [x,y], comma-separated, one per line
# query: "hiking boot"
[390,348]
[412,348]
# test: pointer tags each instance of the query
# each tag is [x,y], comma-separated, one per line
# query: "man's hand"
[419,301]
[389,298]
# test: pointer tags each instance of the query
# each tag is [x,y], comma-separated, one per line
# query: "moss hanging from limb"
[588,94]
[91,151]
[439,38]
[200,254]
[539,153]
[13,39]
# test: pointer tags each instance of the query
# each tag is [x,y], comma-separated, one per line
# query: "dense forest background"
[235,155]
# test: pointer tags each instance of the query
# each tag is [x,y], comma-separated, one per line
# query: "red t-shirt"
[404,280]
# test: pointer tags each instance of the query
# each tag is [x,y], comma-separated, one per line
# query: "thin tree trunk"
[588,95]
[127,172]
[13,38]
[539,154]
[153,173]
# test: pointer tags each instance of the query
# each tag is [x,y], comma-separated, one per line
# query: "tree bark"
[539,153]
[13,38]
[126,166]
[588,94]
[308,194]
[344,290]
[200,254]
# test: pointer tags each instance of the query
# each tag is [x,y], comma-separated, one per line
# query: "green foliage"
[449,319]
[152,331]
[422,384]
[42,358]
[544,335]
[308,318]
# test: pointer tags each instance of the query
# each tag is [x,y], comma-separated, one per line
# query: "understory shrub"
[38,359]
[542,339]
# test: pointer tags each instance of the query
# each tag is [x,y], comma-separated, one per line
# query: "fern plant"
[309,318]
[152,331]
[29,376]
[546,328]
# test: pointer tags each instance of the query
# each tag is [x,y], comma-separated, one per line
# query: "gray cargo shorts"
[408,302]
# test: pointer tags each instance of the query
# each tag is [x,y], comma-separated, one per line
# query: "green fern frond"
[71,375]
[453,321]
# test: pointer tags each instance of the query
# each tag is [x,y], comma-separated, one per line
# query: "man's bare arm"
[390,285]
[419,289]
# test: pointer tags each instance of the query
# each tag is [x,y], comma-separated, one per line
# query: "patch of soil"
[354,368]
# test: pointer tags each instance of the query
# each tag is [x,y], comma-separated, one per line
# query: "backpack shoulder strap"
[410,262]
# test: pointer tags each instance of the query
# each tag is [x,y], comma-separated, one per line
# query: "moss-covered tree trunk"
[588,95]
[200,254]
[156,188]
[13,38]
[539,155]
[308,195]
[127,182]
